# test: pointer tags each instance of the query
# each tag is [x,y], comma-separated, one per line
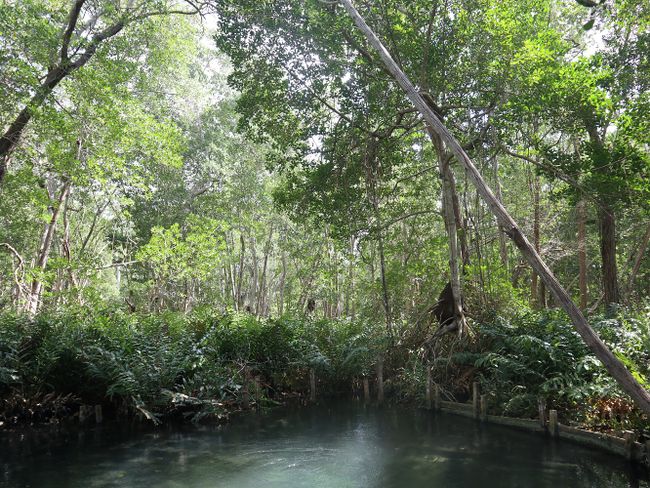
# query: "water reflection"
[327,446]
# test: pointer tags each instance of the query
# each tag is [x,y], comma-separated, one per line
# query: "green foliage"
[312,190]
[539,357]
[170,364]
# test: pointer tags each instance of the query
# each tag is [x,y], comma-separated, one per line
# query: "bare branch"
[116,265]
[14,252]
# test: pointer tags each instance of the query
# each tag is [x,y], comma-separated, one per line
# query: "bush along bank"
[536,359]
[206,365]
[202,366]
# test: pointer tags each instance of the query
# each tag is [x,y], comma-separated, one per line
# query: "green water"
[337,446]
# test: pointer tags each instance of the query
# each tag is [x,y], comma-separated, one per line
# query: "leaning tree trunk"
[615,367]
[59,69]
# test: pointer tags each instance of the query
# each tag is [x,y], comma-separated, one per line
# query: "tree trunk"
[460,225]
[36,288]
[19,272]
[240,273]
[581,215]
[66,251]
[616,368]
[503,248]
[60,68]
[254,287]
[10,138]
[384,286]
[450,225]
[261,299]
[607,224]
[640,253]
[371,189]
[535,296]
[283,278]
[229,271]
[350,309]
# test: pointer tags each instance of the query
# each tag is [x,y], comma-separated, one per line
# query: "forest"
[204,202]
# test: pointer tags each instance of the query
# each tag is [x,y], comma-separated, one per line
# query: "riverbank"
[205,366]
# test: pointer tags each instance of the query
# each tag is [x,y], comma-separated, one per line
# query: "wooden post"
[541,407]
[380,381]
[436,397]
[312,385]
[630,438]
[366,389]
[553,426]
[99,418]
[475,399]
[428,387]
[484,407]
[83,413]
[246,397]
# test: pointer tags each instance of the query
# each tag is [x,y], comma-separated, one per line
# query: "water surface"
[324,446]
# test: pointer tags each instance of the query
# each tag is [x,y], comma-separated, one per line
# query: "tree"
[590,104]
[84,30]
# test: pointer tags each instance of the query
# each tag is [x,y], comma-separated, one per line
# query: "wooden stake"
[312,385]
[246,396]
[541,408]
[436,397]
[615,367]
[99,418]
[380,381]
[475,399]
[484,407]
[630,438]
[83,413]
[428,387]
[553,426]
[366,389]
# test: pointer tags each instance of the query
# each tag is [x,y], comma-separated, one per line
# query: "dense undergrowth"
[206,365]
[539,357]
[200,365]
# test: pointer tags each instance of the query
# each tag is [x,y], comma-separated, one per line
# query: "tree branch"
[73,17]
[562,176]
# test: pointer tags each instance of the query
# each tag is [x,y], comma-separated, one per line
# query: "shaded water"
[326,446]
